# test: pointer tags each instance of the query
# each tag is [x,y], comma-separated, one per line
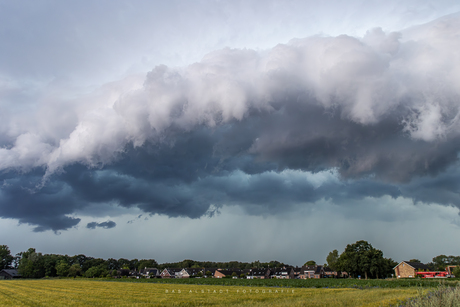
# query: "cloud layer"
[339,118]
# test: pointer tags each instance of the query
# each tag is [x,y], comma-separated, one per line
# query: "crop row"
[306,283]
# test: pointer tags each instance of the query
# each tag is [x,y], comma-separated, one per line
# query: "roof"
[281,271]
[258,272]
[318,270]
[229,272]
[152,271]
[297,269]
[11,272]
[194,271]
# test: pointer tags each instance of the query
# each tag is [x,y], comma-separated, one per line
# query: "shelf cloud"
[339,118]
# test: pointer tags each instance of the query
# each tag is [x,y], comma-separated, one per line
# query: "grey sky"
[242,124]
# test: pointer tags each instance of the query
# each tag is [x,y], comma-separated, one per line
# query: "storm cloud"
[105,225]
[337,118]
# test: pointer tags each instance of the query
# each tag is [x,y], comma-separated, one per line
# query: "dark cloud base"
[105,225]
[244,163]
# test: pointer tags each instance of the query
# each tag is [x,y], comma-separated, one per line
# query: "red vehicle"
[434,274]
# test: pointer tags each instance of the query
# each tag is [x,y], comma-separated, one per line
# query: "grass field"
[83,292]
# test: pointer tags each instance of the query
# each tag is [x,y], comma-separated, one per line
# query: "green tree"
[440,262]
[50,261]
[5,257]
[32,264]
[62,268]
[124,263]
[456,272]
[332,259]
[415,260]
[147,263]
[93,272]
[361,259]
[112,264]
[310,262]
[75,270]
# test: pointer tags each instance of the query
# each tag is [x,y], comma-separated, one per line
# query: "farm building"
[9,274]
[407,269]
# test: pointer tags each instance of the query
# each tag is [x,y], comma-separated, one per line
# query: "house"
[407,269]
[196,272]
[319,272]
[219,273]
[210,272]
[297,272]
[282,273]
[9,274]
[170,273]
[307,272]
[329,273]
[190,272]
[183,274]
[150,272]
[258,273]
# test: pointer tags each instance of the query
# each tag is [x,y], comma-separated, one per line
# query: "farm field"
[83,292]
[306,283]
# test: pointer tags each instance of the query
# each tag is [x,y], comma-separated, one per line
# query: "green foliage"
[456,272]
[361,259]
[310,262]
[144,263]
[5,257]
[112,264]
[93,272]
[124,263]
[222,265]
[75,270]
[332,259]
[32,264]
[62,268]
[440,262]
[305,283]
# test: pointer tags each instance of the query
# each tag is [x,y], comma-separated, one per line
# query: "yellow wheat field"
[82,292]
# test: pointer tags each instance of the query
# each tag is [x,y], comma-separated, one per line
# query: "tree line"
[33,264]
[359,259]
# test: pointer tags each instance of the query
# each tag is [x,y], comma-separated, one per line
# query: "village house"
[170,273]
[297,272]
[150,272]
[210,272]
[282,273]
[329,273]
[258,273]
[307,272]
[319,272]
[406,269]
[227,273]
